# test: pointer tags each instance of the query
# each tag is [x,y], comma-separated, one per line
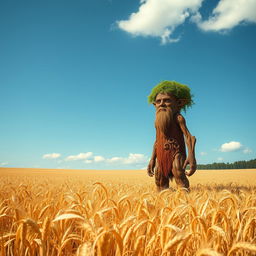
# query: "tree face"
[165,101]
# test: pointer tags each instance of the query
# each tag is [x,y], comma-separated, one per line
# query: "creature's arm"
[152,162]
[190,141]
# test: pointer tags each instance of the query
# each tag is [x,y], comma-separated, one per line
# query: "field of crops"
[75,212]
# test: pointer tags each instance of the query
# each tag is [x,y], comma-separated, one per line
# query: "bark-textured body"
[167,146]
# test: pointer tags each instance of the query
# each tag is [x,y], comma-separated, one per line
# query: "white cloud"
[247,151]
[51,156]
[220,159]
[203,153]
[228,14]
[131,159]
[114,159]
[89,158]
[135,159]
[4,163]
[80,156]
[159,18]
[99,159]
[230,146]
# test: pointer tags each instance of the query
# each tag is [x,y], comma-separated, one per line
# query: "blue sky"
[75,76]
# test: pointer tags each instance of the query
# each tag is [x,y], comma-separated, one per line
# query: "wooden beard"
[164,155]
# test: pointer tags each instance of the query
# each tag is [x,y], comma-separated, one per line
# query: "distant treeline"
[236,165]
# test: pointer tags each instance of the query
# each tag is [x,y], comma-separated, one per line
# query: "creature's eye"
[167,100]
[157,101]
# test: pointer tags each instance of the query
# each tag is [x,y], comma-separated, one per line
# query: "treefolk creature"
[169,159]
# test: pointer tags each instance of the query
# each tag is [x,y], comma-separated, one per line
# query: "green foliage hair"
[180,91]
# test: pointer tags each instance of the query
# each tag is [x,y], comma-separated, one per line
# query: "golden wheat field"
[78,212]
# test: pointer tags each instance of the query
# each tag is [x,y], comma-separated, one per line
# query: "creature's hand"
[192,163]
[151,167]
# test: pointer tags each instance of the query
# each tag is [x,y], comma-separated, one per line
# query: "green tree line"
[250,164]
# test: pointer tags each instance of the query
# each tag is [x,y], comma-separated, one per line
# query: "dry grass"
[58,212]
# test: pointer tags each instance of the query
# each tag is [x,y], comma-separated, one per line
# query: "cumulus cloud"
[131,159]
[4,163]
[135,159]
[51,156]
[203,153]
[99,159]
[159,18]
[230,146]
[80,156]
[89,158]
[114,159]
[228,14]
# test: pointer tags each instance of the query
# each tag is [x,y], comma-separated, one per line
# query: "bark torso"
[168,145]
